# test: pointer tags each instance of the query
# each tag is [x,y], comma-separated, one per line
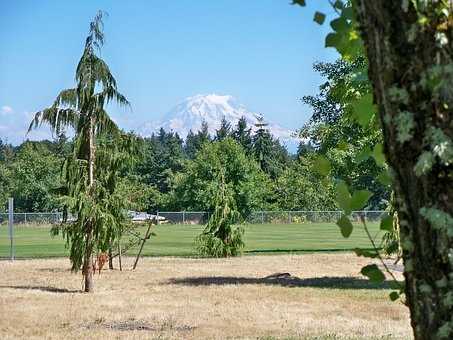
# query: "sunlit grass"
[178,240]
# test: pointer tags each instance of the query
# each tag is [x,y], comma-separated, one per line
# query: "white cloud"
[14,126]
[6,110]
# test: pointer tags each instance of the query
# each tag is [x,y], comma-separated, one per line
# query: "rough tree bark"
[403,54]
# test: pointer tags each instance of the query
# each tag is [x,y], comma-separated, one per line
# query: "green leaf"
[343,197]
[299,2]
[394,296]
[339,24]
[365,253]
[345,226]
[360,199]
[322,165]
[384,177]
[348,13]
[363,155]
[333,40]
[363,109]
[378,154]
[387,222]
[373,273]
[319,18]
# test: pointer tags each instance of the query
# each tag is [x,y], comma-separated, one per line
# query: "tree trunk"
[110,258]
[403,54]
[88,264]
[88,259]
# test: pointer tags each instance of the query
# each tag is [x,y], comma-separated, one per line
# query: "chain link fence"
[33,218]
[274,217]
[202,217]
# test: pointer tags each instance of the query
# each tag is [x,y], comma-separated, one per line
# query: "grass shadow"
[43,289]
[305,250]
[284,280]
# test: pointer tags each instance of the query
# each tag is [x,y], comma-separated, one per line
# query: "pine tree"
[243,135]
[224,130]
[163,156]
[268,152]
[303,149]
[194,142]
[190,146]
[203,134]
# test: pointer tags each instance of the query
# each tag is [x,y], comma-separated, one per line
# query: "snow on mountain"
[190,113]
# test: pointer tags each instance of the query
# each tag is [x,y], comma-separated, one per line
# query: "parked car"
[138,216]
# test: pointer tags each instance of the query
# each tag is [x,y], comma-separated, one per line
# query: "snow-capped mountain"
[190,114]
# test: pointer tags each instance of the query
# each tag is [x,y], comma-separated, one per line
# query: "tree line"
[175,174]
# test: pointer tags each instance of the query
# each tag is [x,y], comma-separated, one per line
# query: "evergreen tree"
[269,153]
[243,135]
[6,150]
[190,146]
[82,108]
[220,238]
[163,156]
[303,149]
[224,130]
[203,134]
[60,145]
[194,142]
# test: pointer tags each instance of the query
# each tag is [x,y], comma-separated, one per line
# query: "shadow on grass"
[43,289]
[284,280]
[306,250]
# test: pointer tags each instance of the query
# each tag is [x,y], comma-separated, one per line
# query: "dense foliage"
[172,174]
[220,237]
[339,137]
[195,187]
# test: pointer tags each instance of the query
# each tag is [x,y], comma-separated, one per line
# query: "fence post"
[10,225]
[183,217]
[289,217]
[262,217]
[158,220]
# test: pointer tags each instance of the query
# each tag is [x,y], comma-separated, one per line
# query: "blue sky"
[259,51]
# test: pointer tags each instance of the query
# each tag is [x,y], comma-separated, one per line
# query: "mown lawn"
[178,240]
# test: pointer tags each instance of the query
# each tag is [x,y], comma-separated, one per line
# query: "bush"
[211,246]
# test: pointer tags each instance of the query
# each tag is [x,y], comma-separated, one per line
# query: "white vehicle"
[137,216]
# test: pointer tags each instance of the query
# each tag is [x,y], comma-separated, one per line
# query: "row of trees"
[170,173]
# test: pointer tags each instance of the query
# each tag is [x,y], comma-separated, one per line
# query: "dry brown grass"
[181,298]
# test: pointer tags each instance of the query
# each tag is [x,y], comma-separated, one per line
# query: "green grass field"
[178,240]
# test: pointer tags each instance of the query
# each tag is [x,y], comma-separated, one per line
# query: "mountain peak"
[211,98]
[189,114]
